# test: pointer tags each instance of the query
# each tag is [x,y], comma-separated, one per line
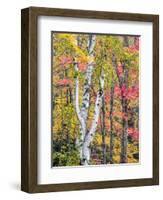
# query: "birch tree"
[82,113]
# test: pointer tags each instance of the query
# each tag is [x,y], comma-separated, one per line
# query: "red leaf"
[134,133]
[64,82]
[132,93]
[82,67]
[117,90]
[124,90]
[65,60]
[129,93]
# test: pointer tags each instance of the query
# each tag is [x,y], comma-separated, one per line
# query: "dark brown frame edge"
[29,99]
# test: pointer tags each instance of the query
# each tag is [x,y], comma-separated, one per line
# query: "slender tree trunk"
[82,124]
[87,135]
[90,134]
[124,139]
[83,112]
[67,96]
[103,131]
[111,122]
[123,82]
[70,92]
[62,118]
[88,78]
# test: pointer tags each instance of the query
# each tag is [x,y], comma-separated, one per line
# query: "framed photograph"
[90,99]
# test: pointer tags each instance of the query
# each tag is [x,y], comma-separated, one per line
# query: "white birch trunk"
[90,135]
[87,136]
[81,120]
[88,78]
[83,114]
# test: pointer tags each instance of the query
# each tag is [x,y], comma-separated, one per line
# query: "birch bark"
[90,134]
[82,126]
[86,136]
[88,78]
[83,112]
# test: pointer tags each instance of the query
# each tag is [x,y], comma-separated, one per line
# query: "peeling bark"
[81,120]
[88,79]
[90,134]
[83,113]
[86,136]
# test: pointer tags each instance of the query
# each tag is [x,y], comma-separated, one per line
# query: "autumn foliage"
[116,60]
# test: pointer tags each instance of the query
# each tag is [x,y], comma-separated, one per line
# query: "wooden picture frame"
[29,112]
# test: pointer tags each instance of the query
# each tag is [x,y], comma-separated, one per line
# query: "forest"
[95,99]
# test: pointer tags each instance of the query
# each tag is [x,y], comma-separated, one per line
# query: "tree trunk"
[85,135]
[124,134]
[103,131]
[82,125]
[67,96]
[111,122]
[88,78]
[90,134]
[124,139]
[83,113]
[70,92]
[123,82]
